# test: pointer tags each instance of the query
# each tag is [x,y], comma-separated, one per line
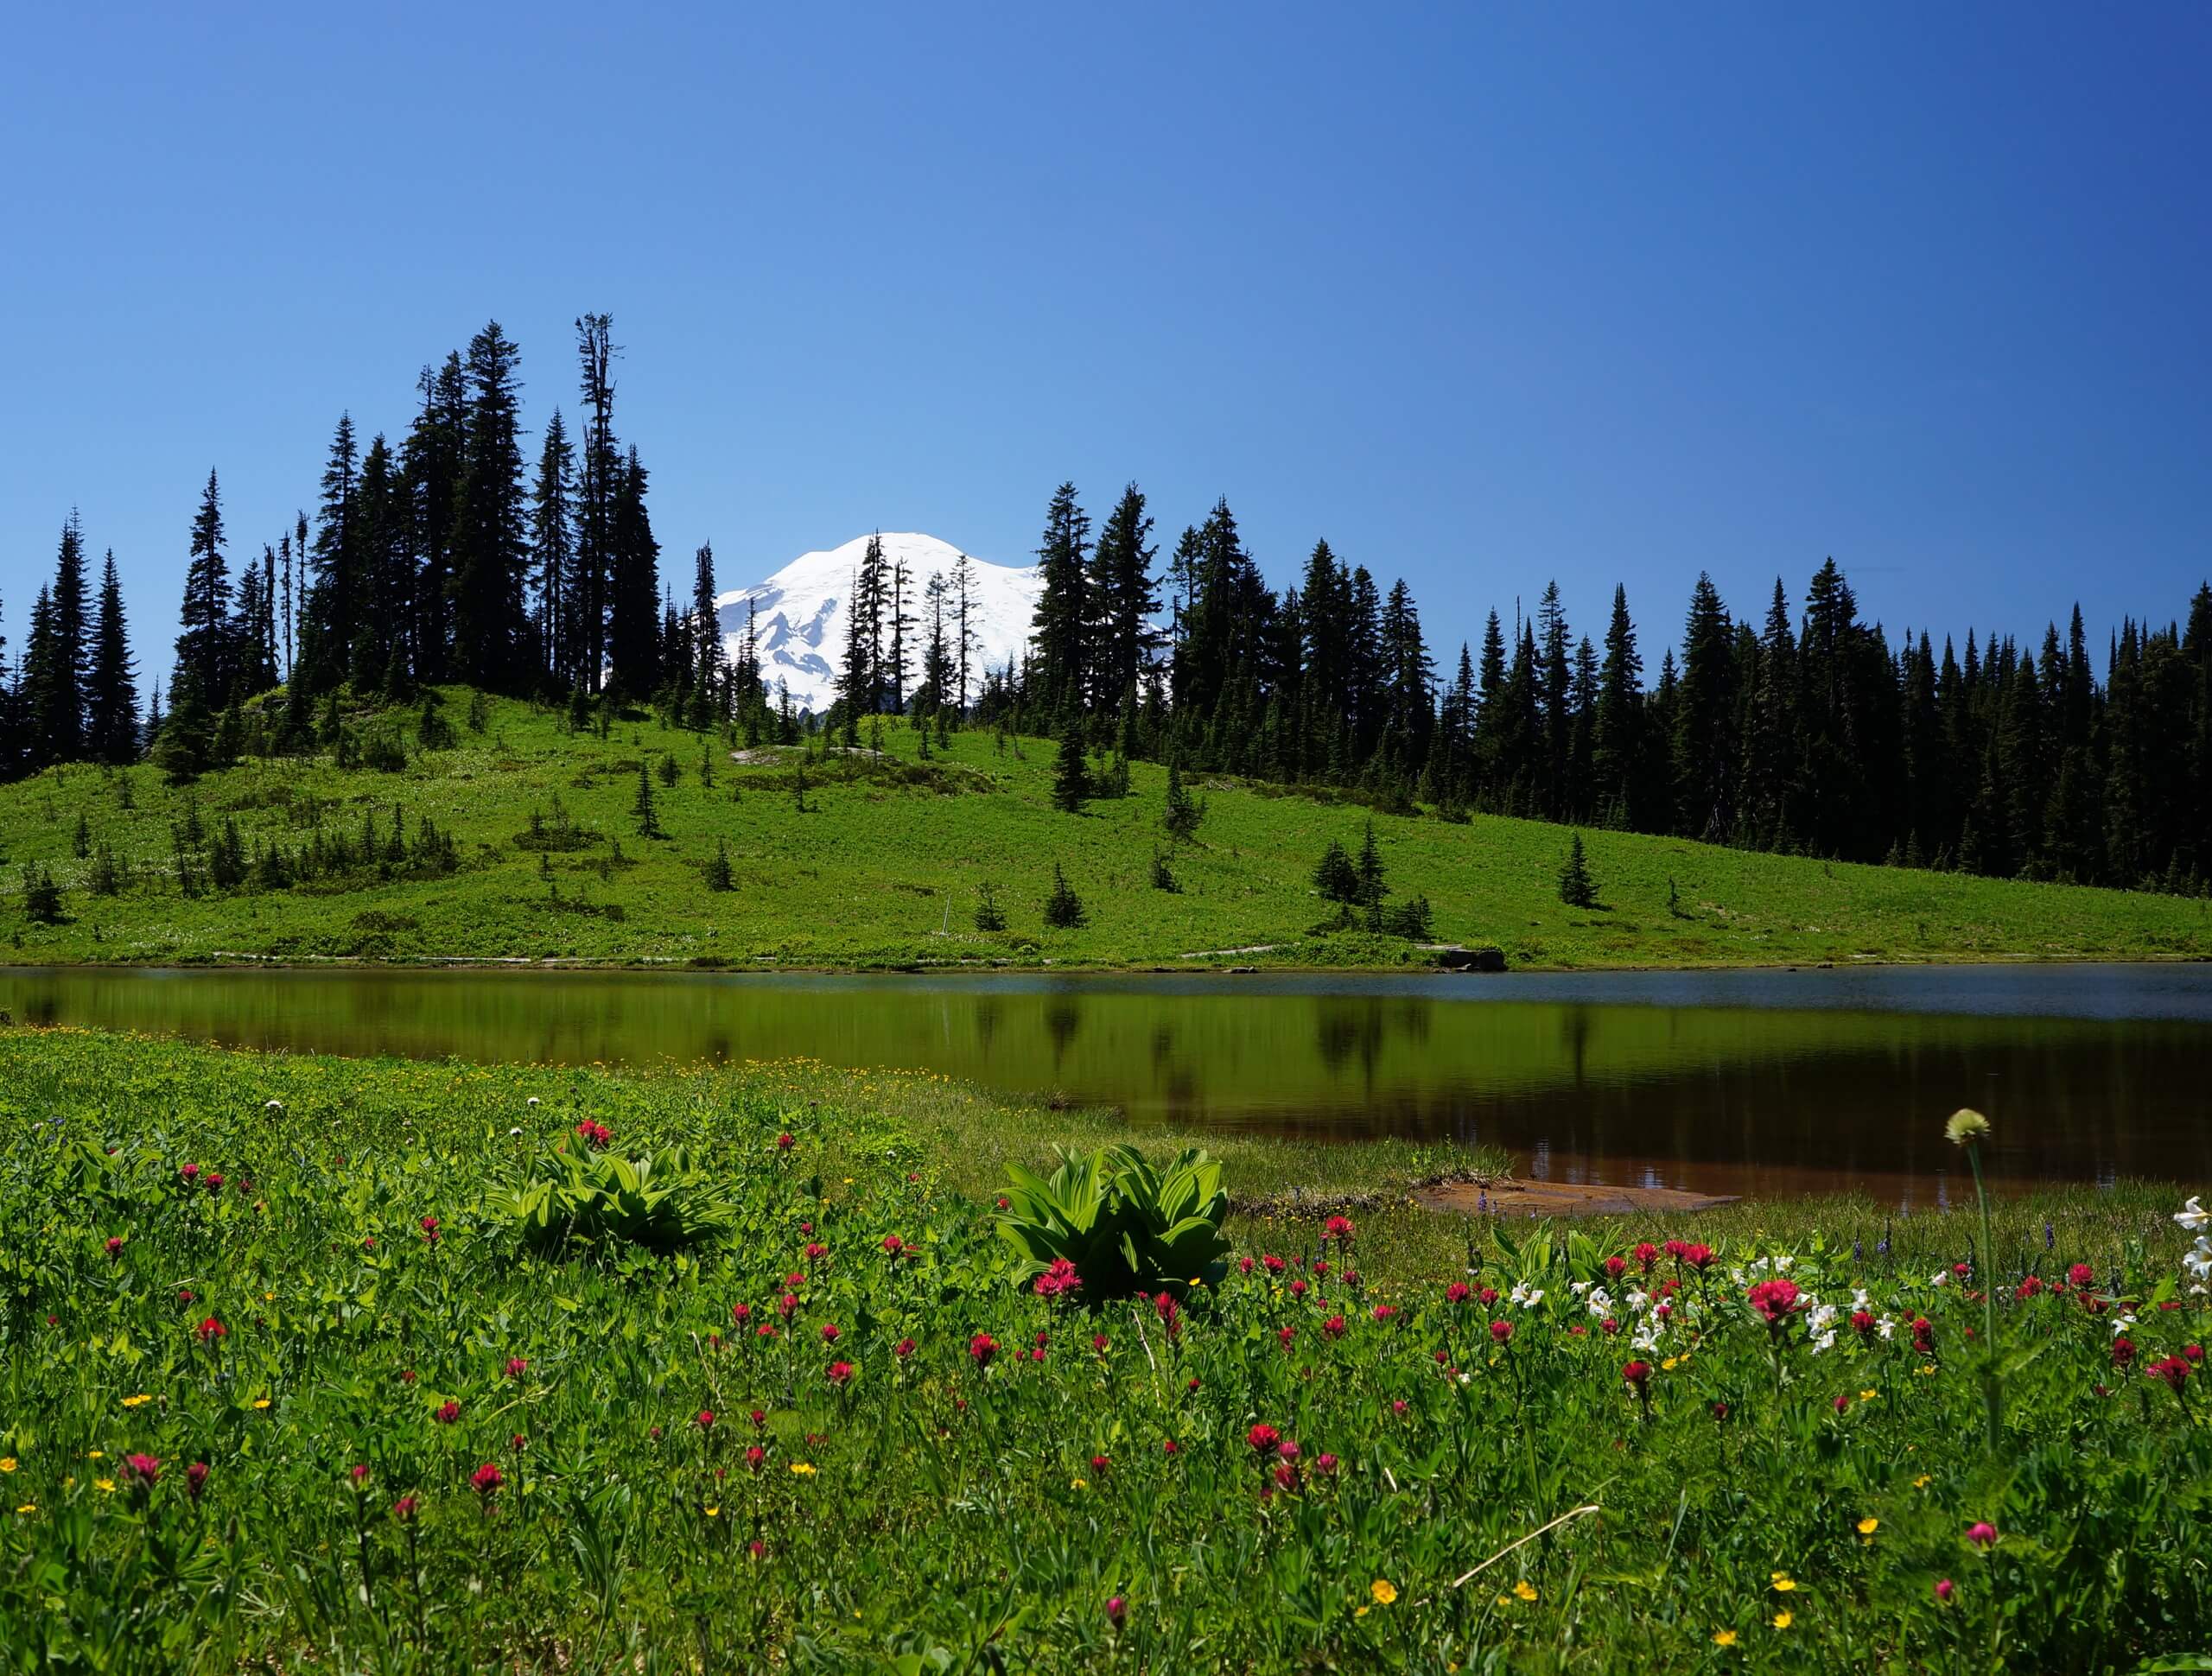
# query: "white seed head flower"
[533,1100]
[278,1106]
[1966,1126]
[515,1130]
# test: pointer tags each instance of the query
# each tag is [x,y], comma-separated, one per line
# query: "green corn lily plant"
[1125,1226]
[663,1202]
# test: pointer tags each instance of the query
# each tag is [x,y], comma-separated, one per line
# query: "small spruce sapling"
[1064,910]
[988,916]
[1576,887]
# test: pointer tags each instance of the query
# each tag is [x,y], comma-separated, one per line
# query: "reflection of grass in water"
[1147,1051]
[885,868]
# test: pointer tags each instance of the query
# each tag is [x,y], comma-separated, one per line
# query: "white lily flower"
[1824,1341]
[1639,1301]
[1940,1277]
[2193,1216]
[1859,1299]
[1822,1320]
[1581,1286]
[1885,1327]
[1782,1262]
[2121,1323]
[1599,1304]
[2198,1260]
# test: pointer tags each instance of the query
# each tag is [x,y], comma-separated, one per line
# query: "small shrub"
[1162,877]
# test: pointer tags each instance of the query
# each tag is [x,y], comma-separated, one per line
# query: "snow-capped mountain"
[799,613]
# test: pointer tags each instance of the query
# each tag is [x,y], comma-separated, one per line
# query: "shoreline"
[769,965]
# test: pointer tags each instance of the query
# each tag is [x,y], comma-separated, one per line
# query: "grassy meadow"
[291,1383]
[882,867]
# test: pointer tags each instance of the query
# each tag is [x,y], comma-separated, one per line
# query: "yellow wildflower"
[1525,1589]
[1784,1619]
[1384,1591]
[1361,1612]
[261,1402]
[140,1401]
[1724,1638]
[1868,1525]
[107,1484]
[1783,1583]
[1921,1482]
[1078,1483]
[713,1512]
[94,1454]
[1868,1396]
[804,1469]
[28,1506]
[7,1464]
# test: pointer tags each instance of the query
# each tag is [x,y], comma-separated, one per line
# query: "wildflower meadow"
[370,1367]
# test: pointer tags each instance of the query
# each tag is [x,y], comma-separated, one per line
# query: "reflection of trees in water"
[1061,1018]
[1574,1038]
[1336,1034]
[987,1014]
[1343,1028]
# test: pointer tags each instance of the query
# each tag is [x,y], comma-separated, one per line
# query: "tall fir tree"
[111,725]
[491,543]
[1060,635]
[203,653]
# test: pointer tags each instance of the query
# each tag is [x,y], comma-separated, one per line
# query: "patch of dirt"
[1560,1198]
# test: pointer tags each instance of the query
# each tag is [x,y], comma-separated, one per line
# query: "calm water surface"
[1728,1081]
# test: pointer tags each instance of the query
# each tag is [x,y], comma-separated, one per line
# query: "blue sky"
[1486,295]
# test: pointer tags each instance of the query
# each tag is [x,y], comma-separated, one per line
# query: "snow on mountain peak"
[799,613]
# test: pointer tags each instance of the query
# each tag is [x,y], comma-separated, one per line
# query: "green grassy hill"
[883,866]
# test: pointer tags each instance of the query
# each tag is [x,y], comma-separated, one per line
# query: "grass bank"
[532,851]
[332,1407]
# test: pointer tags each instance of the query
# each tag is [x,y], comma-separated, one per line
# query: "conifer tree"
[491,546]
[1064,909]
[56,662]
[1576,887]
[1615,751]
[552,555]
[719,875]
[647,814]
[1122,600]
[709,660]
[633,617]
[1059,634]
[335,606]
[1335,876]
[112,733]
[1369,871]
[1071,780]
[202,642]
[1183,812]
[599,473]
[989,916]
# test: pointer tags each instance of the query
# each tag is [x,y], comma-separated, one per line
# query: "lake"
[1738,1081]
